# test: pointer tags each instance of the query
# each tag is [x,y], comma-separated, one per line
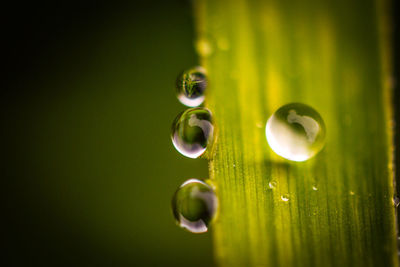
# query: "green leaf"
[335,57]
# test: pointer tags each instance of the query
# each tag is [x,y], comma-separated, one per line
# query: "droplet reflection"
[194,206]
[296,132]
[192,132]
[190,86]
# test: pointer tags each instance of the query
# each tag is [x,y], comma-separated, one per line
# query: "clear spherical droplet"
[272,184]
[296,132]
[192,132]
[190,86]
[285,197]
[194,206]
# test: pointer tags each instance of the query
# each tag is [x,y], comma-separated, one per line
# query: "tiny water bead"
[190,86]
[396,201]
[285,197]
[259,124]
[194,206]
[272,184]
[192,132]
[296,132]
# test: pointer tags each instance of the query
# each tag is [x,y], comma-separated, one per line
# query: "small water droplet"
[203,47]
[396,201]
[351,193]
[315,188]
[194,206]
[192,132]
[272,184]
[190,86]
[285,197]
[259,124]
[296,132]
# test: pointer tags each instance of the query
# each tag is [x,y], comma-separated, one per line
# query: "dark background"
[87,102]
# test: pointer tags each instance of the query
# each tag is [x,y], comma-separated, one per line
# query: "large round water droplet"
[190,86]
[192,132]
[296,132]
[194,205]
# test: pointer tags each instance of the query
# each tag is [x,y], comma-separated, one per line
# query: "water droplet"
[285,197]
[315,188]
[190,86]
[296,132]
[396,201]
[259,124]
[272,184]
[203,47]
[352,193]
[194,206]
[192,132]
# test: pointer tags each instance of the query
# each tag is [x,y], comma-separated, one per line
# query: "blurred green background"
[89,168]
